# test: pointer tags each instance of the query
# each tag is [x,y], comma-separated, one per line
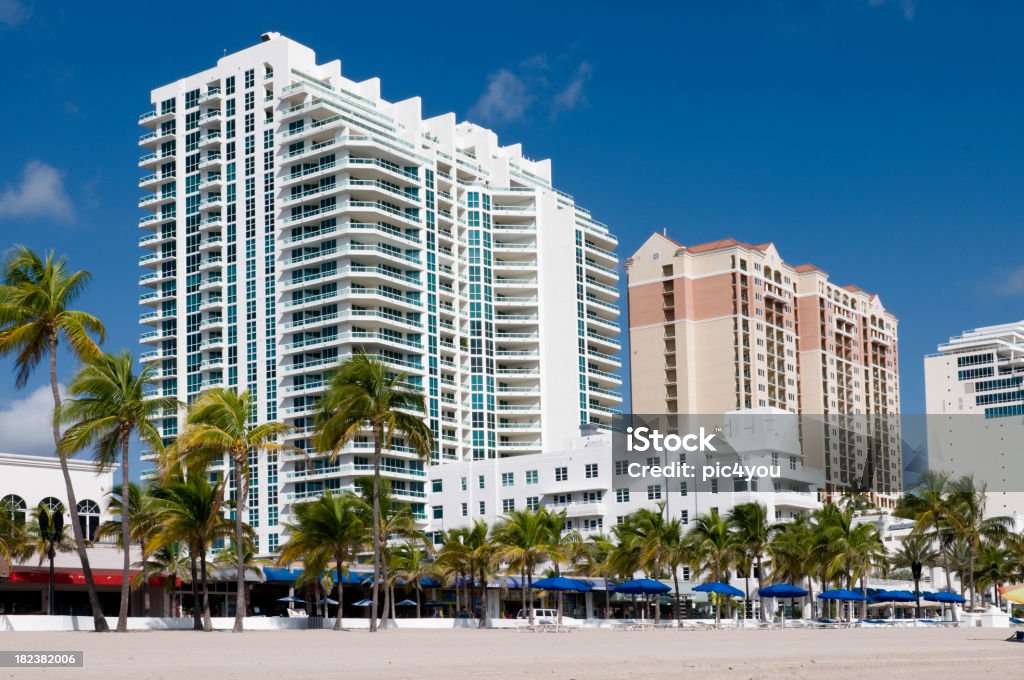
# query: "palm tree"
[190,513]
[967,521]
[172,559]
[395,521]
[107,405]
[363,392]
[453,562]
[481,554]
[995,566]
[715,550]
[35,296]
[915,553]
[218,426]
[753,534]
[524,539]
[141,510]
[851,549]
[329,528]
[794,554]
[658,540]
[412,561]
[597,563]
[927,505]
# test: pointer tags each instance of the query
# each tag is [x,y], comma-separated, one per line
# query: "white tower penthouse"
[297,218]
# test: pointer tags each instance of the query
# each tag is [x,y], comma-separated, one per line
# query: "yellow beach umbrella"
[1014,593]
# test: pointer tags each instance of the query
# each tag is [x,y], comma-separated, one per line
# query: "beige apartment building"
[728,325]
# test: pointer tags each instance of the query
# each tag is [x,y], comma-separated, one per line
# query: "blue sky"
[880,140]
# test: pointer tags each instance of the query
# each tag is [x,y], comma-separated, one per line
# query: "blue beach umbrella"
[842,594]
[718,588]
[944,597]
[291,599]
[641,586]
[561,584]
[783,590]
[894,596]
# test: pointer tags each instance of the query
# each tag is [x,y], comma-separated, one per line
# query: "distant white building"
[592,483]
[974,395]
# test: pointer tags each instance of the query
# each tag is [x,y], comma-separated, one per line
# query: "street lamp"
[51,529]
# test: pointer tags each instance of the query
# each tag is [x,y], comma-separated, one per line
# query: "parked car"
[546,616]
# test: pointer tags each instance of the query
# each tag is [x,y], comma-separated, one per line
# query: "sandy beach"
[584,654]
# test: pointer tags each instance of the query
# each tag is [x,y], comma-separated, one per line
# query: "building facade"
[974,397]
[27,482]
[298,217]
[591,481]
[729,325]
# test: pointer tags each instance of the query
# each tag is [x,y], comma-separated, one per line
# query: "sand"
[892,654]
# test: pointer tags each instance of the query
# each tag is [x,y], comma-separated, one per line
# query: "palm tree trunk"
[146,610]
[374,590]
[485,616]
[197,622]
[970,576]
[241,497]
[608,600]
[949,579]
[419,600]
[675,582]
[522,589]
[99,621]
[341,599]
[207,623]
[122,615]
[529,586]
[917,601]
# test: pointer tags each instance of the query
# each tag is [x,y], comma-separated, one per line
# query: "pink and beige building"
[729,325]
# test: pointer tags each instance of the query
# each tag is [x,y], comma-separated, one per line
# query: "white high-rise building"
[298,217]
[974,396]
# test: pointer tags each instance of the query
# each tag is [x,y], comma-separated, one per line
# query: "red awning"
[102,577]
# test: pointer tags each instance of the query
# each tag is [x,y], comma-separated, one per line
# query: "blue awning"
[281,575]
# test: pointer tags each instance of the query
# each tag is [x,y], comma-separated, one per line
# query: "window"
[714,485]
[481,482]
[483,508]
[684,517]
[561,474]
[683,489]
[88,518]
[506,479]
[462,484]
[622,495]
[508,504]
[590,470]
[591,496]
[621,467]
[531,476]
[436,486]
[562,499]
[52,504]
[465,509]
[532,502]
[654,492]
[14,506]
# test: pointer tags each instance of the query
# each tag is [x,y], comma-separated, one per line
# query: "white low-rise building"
[591,480]
[28,482]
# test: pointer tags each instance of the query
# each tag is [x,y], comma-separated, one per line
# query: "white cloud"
[25,423]
[506,98]
[572,95]
[40,193]
[13,13]
[512,94]
[1012,284]
[908,7]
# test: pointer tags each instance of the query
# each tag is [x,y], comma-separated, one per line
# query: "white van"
[547,616]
